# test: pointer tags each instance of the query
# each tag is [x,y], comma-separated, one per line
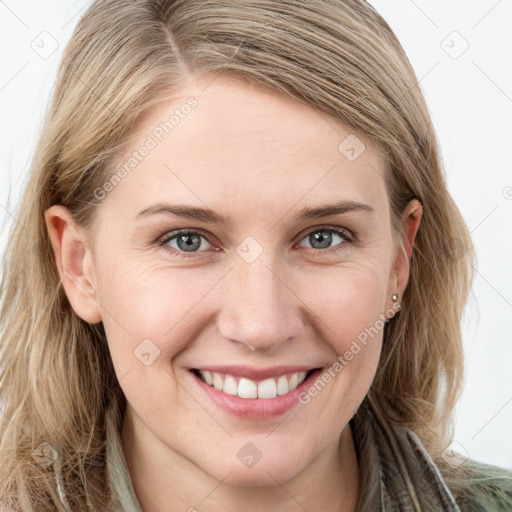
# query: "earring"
[395,299]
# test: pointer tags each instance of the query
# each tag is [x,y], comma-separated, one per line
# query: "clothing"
[381,455]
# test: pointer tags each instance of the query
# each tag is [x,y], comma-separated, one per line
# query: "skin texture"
[259,158]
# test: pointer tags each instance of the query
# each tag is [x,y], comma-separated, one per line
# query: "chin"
[263,473]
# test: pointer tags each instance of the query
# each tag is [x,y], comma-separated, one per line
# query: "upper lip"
[253,373]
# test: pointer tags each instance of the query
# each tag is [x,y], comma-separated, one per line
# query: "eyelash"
[346,235]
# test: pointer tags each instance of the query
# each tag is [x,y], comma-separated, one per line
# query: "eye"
[187,241]
[322,238]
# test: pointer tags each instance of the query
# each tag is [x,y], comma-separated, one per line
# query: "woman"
[241,292]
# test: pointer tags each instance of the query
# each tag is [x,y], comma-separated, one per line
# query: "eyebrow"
[209,216]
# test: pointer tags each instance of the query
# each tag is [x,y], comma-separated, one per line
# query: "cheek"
[348,300]
[351,319]
[156,304]
[350,306]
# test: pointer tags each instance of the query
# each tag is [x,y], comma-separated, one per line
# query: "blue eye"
[323,236]
[188,242]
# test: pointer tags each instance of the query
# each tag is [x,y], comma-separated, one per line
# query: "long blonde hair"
[57,381]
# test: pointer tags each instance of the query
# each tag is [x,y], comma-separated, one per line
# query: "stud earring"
[395,299]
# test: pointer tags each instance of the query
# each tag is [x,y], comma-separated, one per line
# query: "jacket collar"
[397,473]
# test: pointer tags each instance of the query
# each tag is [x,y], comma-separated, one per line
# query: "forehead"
[223,139]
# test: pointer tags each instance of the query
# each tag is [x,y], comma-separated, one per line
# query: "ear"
[74,262]
[411,219]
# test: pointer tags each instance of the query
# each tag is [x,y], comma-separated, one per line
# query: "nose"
[259,309]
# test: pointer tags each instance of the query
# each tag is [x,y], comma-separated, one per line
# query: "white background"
[470,99]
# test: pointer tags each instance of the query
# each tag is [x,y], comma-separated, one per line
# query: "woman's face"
[269,291]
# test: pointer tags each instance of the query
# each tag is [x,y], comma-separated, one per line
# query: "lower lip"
[256,408]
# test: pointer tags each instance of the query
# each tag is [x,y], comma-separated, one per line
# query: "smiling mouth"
[248,388]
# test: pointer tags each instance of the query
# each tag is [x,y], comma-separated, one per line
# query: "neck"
[161,476]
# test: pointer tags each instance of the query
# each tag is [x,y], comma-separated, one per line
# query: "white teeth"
[267,388]
[246,388]
[230,386]
[208,377]
[217,381]
[282,385]
[293,382]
